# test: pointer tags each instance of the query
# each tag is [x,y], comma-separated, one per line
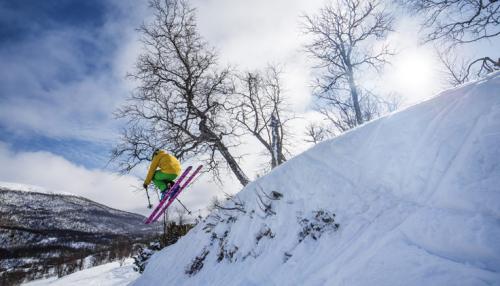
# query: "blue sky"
[58,82]
[49,15]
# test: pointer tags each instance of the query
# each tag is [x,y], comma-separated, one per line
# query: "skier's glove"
[145,186]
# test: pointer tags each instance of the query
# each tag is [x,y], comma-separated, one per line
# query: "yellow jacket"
[168,164]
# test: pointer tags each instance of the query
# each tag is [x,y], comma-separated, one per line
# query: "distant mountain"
[44,233]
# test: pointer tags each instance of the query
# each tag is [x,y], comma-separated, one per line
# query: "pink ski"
[181,188]
[165,198]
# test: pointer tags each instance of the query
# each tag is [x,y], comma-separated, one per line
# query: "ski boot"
[165,191]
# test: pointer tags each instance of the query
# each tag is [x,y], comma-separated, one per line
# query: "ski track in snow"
[416,194]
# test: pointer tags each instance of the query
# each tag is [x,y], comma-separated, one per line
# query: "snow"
[48,240]
[40,209]
[416,195]
[81,244]
[31,188]
[110,274]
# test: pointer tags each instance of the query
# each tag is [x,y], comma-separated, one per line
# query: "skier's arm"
[152,169]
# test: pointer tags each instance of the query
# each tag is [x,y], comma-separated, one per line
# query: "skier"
[163,178]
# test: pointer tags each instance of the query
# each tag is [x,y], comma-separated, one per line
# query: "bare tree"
[316,133]
[182,102]
[459,21]
[181,216]
[263,112]
[342,35]
[455,69]
[214,203]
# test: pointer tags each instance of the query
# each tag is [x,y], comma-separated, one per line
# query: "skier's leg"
[159,181]
[169,182]
[163,181]
[169,185]
[175,191]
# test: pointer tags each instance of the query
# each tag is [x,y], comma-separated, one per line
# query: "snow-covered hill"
[44,233]
[35,208]
[109,274]
[410,199]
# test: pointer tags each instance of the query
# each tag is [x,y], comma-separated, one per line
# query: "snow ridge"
[31,188]
[412,198]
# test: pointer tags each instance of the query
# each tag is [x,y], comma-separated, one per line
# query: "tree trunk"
[235,167]
[355,99]
[274,141]
[221,147]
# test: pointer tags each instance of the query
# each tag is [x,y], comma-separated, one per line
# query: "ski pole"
[189,212]
[149,201]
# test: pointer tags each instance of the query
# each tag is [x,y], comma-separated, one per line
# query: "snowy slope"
[416,196]
[110,274]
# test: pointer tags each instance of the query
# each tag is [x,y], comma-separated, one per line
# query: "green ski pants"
[160,179]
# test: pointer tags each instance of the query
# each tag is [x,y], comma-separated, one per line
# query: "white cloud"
[251,34]
[57,174]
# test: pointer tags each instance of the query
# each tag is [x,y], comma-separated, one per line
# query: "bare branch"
[459,71]
[458,21]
